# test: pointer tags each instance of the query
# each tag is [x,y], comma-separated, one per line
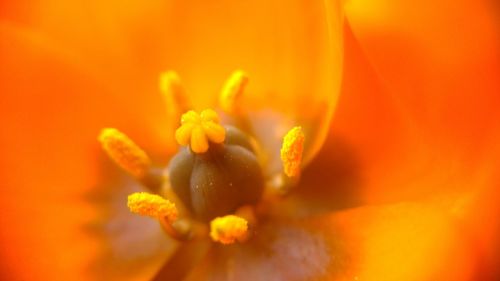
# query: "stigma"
[198,129]
[216,172]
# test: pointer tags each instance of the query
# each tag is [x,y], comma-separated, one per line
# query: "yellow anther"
[125,152]
[173,93]
[228,229]
[291,151]
[232,91]
[197,130]
[146,204]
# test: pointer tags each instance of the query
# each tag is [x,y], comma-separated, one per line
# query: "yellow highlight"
[125,152]
[174,93]
[232,91]
[152,205]
[197,130]
[291,151]
[228,229]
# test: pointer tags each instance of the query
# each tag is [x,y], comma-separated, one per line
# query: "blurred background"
[416,97]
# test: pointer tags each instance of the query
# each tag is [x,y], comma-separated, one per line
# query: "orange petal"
[441,81]
[407,149]
[291,55]
[125,43]
[407,241]
[52,108]
[125,40]
[385,154]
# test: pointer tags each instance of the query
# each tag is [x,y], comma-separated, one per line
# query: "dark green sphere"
[217,182]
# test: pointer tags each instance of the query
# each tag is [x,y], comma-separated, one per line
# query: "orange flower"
[415,135]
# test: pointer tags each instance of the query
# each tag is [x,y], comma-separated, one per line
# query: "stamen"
[125,152]
[152,205]
[232,91]
[175,96]
[291,151]
[228,229]
[197,130]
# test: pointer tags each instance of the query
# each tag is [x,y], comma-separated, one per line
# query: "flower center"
[215,179]
[219,172]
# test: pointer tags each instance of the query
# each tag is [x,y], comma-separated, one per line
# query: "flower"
[416,121]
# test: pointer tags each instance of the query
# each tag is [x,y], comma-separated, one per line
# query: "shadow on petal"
[406,241]
[186,257]
[331,182]
[131,247]
[278,251]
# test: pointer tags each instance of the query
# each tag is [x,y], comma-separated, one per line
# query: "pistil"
[213,184]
